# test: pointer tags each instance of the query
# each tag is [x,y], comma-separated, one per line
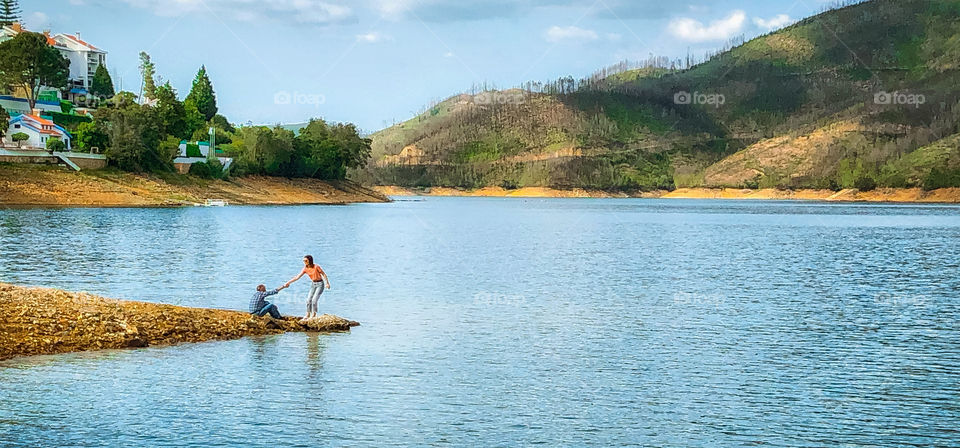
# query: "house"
[84,59]
[195,152]
[39,130]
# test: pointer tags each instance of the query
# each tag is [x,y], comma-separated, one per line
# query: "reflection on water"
[562,322]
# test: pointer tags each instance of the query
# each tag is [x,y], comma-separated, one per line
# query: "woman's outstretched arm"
[293,280]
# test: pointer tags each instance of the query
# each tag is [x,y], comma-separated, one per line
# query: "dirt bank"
[35,321]
[947,195]
[52,186]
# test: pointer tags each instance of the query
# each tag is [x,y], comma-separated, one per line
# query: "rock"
[31,323]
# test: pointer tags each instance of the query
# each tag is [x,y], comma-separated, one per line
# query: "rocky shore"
[37,321]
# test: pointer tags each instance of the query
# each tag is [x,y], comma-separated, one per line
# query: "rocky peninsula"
[38,321]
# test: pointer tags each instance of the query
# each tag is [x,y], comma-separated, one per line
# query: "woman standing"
[316,288]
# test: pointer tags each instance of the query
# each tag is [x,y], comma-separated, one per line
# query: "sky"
[376,62]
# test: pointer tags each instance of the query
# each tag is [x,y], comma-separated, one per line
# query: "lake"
[502,322]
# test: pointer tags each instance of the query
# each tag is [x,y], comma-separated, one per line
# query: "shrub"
[68,121]
[942,178]
[19,137]
[193,150]
[211,169]
[865,183]
[54,144]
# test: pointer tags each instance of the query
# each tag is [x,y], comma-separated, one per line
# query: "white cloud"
[695,31]
[558,34]
[394,9]
[449,54]
[372,37]
[301,11]
[773,23]
[37,21]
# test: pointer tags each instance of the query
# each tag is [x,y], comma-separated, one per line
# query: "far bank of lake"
[895,195]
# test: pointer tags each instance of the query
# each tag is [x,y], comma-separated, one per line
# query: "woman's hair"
[310,260]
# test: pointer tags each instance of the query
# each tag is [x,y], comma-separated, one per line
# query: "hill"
[861,96]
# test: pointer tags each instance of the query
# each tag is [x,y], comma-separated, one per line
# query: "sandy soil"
[35,321]
[39,185]
[947,195]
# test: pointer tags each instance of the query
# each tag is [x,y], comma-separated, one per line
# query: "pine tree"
[147,71]
[9,12]
[102,84]
[202,95]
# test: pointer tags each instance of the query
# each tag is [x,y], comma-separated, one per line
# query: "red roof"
[41,120]
[80,41]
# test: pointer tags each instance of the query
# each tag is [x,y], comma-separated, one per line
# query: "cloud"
[773,23]
[558,34]
[372,37]
[319,12]
[37,21]
[695,31]
[469,10]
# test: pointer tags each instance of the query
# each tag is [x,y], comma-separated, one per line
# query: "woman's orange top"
[314,273]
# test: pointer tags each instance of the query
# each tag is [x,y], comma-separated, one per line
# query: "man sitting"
[259,305]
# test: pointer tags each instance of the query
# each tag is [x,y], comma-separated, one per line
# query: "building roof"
[37,123]
[16,28]
[78,41]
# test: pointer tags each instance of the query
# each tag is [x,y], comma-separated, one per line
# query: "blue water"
[503,322]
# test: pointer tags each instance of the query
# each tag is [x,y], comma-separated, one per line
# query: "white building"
[40,130]
[84,59]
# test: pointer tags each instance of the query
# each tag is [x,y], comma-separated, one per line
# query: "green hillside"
[859,96]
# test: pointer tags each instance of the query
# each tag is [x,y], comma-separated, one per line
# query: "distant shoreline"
[880,195]
[45,186]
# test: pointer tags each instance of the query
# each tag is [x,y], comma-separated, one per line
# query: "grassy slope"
[799,104]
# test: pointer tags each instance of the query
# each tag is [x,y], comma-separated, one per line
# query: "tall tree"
[102,84]
[4,122]
[28,62]
[148,86]
[202,94]
[171,113]
[9,12]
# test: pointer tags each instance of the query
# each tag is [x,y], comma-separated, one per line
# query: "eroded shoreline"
[44,321]
[880,195]
[41,186]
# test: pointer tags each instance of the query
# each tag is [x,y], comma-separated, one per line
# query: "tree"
[20,137]
[202,95]
[55,144]
[88,136]
[102,84]
[4,122]
[133,135]
[123,97]
[9,12]
[326,151]
[148,86]
[220,122]
[170,112]
[193,117]
[28,62]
